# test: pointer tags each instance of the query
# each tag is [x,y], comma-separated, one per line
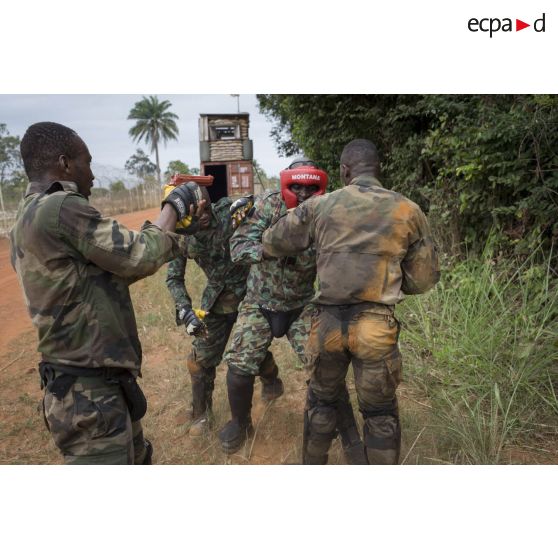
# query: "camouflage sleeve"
[113,247]
[175,281]
[292,233]
[420,267]
[246,242]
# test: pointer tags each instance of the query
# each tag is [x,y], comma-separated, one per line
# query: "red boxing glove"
[178,179]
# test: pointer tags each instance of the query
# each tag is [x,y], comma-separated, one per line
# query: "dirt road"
[14,319]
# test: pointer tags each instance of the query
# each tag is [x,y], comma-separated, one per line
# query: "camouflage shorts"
[91,425]
[251,338]
[365,338]
[207,351]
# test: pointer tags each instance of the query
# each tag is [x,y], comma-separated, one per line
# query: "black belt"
[345,312]
[59,378]
[83,371]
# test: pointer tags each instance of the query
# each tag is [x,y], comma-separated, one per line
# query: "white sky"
[101,120]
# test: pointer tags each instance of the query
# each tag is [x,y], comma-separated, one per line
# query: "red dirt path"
[14,319]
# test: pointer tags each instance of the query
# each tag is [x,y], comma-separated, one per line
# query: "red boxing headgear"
[305,176]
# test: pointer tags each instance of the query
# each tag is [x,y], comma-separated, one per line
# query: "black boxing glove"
[182,197]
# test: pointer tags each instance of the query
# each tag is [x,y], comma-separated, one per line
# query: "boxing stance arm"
[292,233]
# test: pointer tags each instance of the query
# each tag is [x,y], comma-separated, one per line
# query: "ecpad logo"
[493,25]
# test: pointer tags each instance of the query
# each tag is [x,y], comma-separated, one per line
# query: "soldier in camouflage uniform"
[74,267]
[374,245]
[226,287]
[278,292]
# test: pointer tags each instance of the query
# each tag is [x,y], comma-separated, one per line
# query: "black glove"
[182,197]
[186,316]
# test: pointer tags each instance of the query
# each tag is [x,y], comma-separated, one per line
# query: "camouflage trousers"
[364,335]
[91,424]
[251,338]
[207,351]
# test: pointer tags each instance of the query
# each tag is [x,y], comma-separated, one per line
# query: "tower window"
[224,132]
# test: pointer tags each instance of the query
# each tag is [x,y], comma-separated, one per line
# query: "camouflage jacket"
[276,283]
[373,244]
[74,267]
[209,248]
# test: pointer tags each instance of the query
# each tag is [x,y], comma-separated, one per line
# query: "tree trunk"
[157,164]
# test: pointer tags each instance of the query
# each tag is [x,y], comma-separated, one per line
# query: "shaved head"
[359,157]
[360,152]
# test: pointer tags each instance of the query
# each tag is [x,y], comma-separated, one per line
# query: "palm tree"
[153,123]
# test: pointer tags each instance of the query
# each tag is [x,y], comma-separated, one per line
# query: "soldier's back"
[362,234]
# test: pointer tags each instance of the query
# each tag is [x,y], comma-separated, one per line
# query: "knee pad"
[391,408]
[382,438]
[319,430]
[322,422]
[320,416]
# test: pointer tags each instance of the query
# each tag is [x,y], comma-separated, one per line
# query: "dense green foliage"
[140,165]
[478,164]
[179,167]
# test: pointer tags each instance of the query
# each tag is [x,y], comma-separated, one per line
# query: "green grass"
[482,349]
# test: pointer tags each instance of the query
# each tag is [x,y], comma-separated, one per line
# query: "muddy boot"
[236,431]
[202,391]
[272,386]
[201,426]
[353,448]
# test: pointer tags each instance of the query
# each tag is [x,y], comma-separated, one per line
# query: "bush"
[475,163]
[484,344]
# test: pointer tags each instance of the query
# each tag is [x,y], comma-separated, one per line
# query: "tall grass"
[483,347]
